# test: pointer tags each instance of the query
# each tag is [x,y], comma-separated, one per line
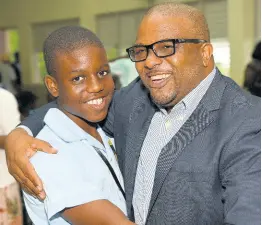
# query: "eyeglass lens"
[161,49]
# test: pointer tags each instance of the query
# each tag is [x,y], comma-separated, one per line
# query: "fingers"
[29,187]
[31,175]
[30,152]
[18,161]
[43,146]
[29,180]
[28,190]
[18,152]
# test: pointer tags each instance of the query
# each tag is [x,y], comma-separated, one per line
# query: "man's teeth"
[160,77]
[95,101]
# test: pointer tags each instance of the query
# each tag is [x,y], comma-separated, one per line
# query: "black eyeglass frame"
[175,41]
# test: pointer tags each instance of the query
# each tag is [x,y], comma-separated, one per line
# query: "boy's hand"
[19,147]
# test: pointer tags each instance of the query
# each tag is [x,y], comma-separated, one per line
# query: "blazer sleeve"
[240,173]
[35,121]
[108,125]
[125,94]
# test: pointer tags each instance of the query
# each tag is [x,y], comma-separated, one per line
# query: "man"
[187,138]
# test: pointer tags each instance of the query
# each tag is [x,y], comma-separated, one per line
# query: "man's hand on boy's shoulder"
[19,147]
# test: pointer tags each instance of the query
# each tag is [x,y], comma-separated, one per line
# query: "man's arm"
[240,174]
[108,124]
[97,212]
[35,120]
[20,146]
[119,96]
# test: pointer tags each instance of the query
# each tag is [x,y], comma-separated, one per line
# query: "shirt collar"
[194,97]
[198,92]
[66,129]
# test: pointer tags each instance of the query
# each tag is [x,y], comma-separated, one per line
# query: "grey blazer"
[209,173]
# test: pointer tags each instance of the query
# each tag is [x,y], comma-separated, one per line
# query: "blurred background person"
[26,102]
[124,68]
[253,72]
[17,69]
[8,74]
[10,200]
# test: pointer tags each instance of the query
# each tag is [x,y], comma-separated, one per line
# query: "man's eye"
[139,51]
[78,79]
[168,46]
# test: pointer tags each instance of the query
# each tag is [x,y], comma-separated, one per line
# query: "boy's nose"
[95,85]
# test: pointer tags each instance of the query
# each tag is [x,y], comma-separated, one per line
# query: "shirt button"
[180,118]
[168,124]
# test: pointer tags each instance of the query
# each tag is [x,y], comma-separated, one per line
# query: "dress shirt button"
[168,124]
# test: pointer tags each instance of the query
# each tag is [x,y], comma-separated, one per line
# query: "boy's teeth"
[160,77]
[95,101]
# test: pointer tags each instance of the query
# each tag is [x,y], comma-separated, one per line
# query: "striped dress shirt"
[163,127]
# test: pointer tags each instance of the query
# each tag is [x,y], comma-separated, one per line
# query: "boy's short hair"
[67,39]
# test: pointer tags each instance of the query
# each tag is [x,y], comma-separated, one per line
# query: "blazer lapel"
[139,122]
[204,114]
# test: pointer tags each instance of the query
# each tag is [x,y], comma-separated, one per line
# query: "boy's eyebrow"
[77,71]
[81,70]
[106,64]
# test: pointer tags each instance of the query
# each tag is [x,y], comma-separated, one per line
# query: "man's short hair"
[199,23]
[67,39]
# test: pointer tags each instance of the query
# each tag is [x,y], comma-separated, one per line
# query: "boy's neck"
[90,128]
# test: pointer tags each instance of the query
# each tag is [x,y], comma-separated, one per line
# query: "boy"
[79,185]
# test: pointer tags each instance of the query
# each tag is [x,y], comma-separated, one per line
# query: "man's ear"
[51,84]
[207,53]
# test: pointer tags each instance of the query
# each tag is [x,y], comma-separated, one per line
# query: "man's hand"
[19,148]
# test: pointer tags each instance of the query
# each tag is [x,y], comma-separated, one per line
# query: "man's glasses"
[161,49]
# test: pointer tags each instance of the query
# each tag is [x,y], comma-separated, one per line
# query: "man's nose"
[152,60]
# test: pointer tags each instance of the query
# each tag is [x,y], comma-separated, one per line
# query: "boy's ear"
[51,84]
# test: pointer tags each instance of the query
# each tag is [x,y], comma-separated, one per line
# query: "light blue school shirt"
[75,175]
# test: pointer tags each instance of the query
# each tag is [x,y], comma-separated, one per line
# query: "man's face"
[84,82]
[171,78]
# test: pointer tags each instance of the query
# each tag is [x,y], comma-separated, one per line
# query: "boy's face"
[83,83]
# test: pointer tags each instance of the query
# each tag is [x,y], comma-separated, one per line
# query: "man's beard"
[164,101]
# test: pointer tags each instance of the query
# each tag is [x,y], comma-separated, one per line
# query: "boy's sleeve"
[64,184]
[73,194]
[35,120]
[35,209]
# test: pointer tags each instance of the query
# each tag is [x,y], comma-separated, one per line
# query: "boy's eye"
[103,73]
[77,79]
